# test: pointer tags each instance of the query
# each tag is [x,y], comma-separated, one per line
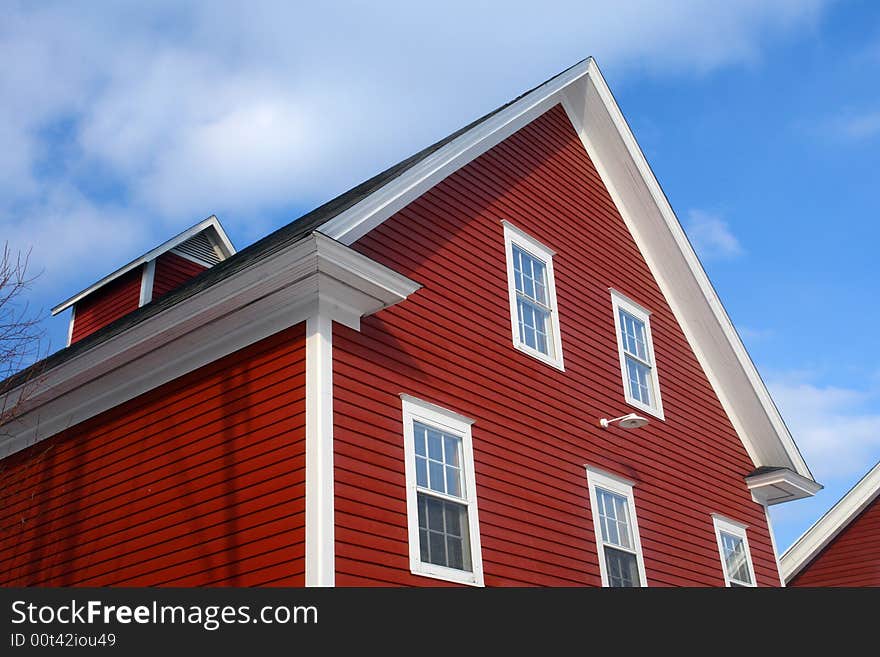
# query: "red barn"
[843,547]
[497,363]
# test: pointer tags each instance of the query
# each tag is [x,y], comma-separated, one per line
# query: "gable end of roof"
[830,525]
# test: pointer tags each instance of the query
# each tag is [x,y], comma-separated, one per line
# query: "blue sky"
[123,123]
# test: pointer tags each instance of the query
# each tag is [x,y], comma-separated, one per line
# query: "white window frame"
[600,479]
[513,235]
[416,410]
[621,302]
[738,530]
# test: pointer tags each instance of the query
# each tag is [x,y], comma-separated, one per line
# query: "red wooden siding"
[172,271]
[107,304]
[852,558]
[199,482]
[536,427]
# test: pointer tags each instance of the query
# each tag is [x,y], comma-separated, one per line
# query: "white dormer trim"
[211,223]
[147,278]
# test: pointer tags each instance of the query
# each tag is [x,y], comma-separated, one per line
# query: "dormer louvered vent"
[201,248]
[145,279]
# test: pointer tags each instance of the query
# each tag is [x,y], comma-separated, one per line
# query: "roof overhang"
[780,485]
[830,525]
[316,275]
[211,226]
[590,106]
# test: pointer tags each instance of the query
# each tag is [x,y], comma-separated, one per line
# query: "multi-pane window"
[534,316]
[441,494]
[640,382]
[532,304]
[617,533]
[733,546]
[620,557]
[443,531]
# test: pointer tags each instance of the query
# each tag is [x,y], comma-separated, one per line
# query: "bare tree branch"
[21,334]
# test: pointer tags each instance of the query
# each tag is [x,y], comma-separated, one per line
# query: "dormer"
[146,278]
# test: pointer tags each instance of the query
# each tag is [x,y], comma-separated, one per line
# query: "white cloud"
[751,334]
[838,432]
[711,236]
[181,110]
[859,126]
[837,429]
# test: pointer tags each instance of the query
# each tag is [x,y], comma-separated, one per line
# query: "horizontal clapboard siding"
[107,304]
[536,427]
[852,558]
[172,271]
[199,482]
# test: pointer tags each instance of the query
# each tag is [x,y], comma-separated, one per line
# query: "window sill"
[537,355]
[650,410]
[447,574]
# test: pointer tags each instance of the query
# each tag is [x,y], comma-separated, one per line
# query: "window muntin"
[533,309]
[442,517]
[635,349]
[620,558]
[639,370]
[733,546]
[443,535]
[734,552]
[617,533]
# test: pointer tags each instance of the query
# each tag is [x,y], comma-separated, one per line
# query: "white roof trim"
[699,309]
[829,526]
[372,210]
[313,275]
[611,145]
[221,239]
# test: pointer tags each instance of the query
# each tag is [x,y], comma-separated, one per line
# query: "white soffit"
[611,145]
[780,485]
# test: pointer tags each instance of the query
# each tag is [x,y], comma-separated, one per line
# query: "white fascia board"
[674,264]
[315,275]
[829,526]
[623,168]
[371,211]
[210,223]
[222,239]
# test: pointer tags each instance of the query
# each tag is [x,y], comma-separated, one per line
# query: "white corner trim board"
[830,525]
[320,528]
